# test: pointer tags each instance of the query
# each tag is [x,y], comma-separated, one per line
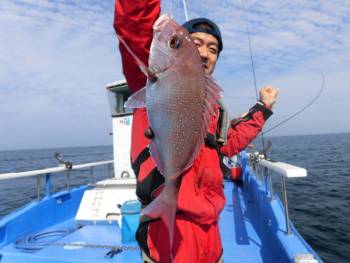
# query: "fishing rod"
[256,90]
[185,9]
[303,108]
[253,69]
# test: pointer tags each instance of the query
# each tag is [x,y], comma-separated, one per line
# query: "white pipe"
[285,169]
[58,169]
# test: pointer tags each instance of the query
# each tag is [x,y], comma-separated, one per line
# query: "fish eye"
[174,42]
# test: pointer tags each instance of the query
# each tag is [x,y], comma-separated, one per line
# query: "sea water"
[319,204]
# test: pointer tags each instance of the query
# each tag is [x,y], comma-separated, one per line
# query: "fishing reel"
[67,164]
[256,156]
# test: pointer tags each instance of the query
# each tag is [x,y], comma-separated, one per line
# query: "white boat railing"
[58,169]
[263,168]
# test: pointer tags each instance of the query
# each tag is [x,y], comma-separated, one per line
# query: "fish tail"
[164,207]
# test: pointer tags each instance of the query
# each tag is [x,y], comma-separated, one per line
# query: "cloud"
[291,43]
[57,56]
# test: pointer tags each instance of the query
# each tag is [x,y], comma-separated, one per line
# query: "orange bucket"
[236,173]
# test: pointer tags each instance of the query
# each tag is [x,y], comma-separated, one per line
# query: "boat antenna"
[253,68]
[185,9]
[303,108]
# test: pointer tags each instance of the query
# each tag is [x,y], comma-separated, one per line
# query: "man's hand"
[268,95]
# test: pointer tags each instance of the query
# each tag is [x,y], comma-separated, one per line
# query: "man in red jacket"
[201,197]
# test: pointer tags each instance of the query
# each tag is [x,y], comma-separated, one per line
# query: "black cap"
[213,29]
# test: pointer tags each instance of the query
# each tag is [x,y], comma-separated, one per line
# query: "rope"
[35,242]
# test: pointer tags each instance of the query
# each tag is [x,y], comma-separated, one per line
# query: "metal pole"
[48,184]
[250,182]
[91,175]
[285,201]
[272,197]
[38,187]
[263,175]
[110,170]
[68,180]
[266,181]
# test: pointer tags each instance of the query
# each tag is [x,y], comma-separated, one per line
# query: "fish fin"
[212,88]
[212,94]
[144,69]
[137,100]
[164,207]
[153,149]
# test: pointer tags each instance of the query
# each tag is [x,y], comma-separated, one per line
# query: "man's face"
[208,47]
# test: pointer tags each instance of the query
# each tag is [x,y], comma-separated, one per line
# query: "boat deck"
[248,231]
[242,233]
[87,243]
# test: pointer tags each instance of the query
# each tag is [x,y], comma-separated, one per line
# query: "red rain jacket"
[201,197]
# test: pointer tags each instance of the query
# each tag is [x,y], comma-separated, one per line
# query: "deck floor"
[242,232]
[96,241]
[243,237]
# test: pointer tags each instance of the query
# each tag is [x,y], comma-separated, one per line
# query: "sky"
[56,58]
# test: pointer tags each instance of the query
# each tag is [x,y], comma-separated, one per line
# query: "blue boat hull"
[252,230]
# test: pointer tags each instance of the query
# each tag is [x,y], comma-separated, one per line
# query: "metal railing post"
[266,181]
[38,187]
[110,170]
[285,201]
[91,175]
[271,188]
[68,180]
[48,184]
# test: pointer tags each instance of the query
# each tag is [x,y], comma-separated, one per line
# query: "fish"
[179,97]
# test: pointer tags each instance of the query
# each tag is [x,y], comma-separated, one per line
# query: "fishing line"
[302,109]
[253,66]
[185,9]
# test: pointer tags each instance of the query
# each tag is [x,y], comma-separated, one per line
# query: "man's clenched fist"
[268,95]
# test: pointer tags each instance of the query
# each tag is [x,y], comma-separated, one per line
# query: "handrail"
[6,176]
[48,171]
[284,169]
